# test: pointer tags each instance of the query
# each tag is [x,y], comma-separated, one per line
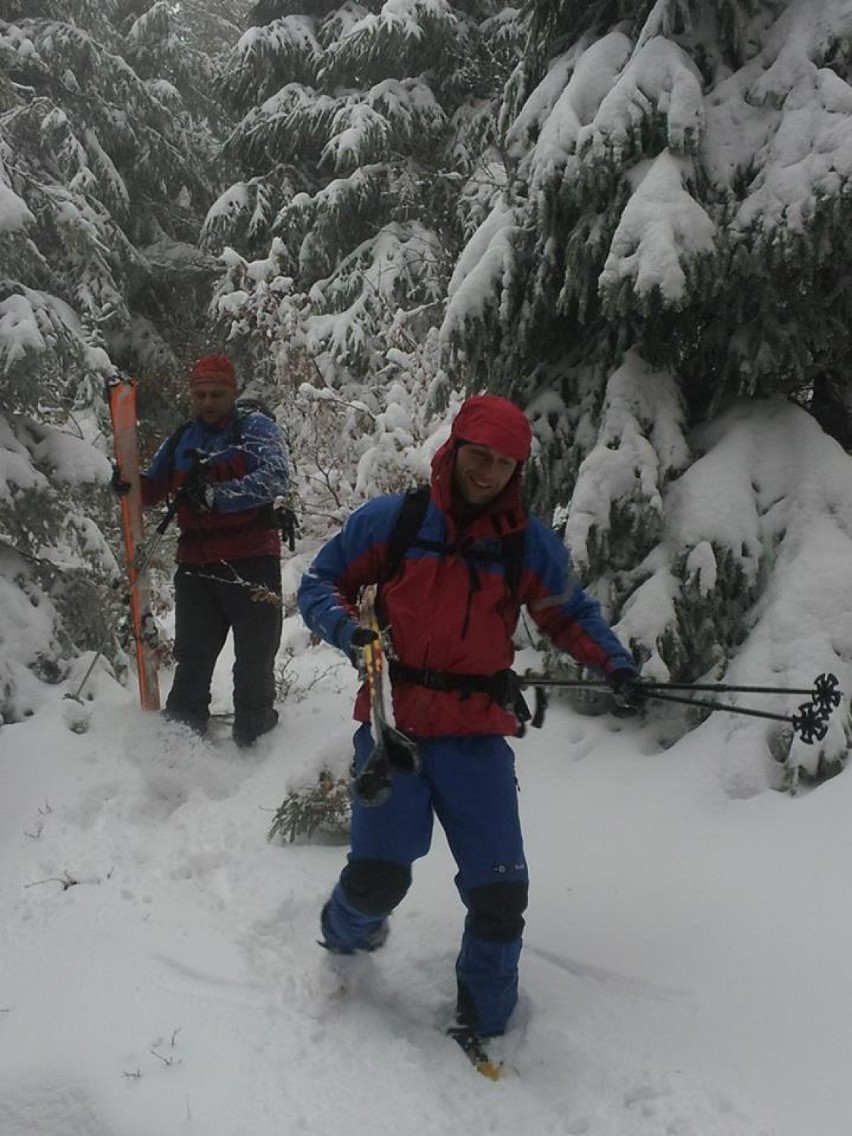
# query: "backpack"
[405,535]
[280,516]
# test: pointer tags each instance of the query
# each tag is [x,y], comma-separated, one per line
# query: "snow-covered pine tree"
[101,193]
[112,164]
[368,141]
[674,234]
[679,185]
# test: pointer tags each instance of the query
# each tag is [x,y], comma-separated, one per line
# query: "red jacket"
[448,613]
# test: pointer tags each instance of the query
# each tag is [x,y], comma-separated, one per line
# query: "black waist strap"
[502,687]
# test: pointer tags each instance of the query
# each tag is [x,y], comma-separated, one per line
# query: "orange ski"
[122,405]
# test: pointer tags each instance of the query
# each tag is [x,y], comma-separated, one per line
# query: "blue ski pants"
[469,784]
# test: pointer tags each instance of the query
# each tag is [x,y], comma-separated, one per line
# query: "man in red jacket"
[225,469]
[451,611]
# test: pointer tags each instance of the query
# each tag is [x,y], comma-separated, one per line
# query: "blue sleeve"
[267,475]
[156,480]
[568,615]
[353,558]
[158,467]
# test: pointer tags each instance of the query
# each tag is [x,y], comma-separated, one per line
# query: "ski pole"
[824,688]
[726,688]
[76,695]
[824,692]
[145,552]
[811,723]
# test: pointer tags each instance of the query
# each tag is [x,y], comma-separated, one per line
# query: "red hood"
[487,420]
[495,422]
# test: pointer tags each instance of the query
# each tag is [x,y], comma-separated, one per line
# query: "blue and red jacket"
[445,615]
[246,478]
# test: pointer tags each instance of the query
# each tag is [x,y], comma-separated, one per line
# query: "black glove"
[627,692]
[361,637]
[195,492]
[117,484]
[286,520]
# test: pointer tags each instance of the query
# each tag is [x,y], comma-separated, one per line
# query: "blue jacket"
[245,478]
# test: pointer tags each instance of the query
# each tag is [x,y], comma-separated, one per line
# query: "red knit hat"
[215,370]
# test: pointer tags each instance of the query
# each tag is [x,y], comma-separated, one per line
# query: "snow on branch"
[336,213]
[155,22]
[807,158]
[291,124]
[639,447]
[110,186]
[661,229]
[410,107]
[14,213]
[268,57]
[781,127]
[393,117]
[360,135]
[659,80]
[401,265]
[16,469]
[19,330]
[565,101]
[35,324]
[409,32]
[225,213]
[401,262]
[481,192]
[481,272]
[246,210]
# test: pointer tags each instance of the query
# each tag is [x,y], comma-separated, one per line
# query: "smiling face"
[481,474]
[212,401]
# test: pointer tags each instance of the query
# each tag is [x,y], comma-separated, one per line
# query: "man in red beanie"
[451,603]
[225,469]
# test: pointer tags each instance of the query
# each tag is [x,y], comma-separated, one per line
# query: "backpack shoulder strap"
[405,529]
[512,546]
[245,407]
[172,443]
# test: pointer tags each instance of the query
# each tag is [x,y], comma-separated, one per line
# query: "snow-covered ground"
[686,970]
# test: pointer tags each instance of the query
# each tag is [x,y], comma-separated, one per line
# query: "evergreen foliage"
[323,808]
[102,189]
[107,161]
[368,134]
[681,185]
